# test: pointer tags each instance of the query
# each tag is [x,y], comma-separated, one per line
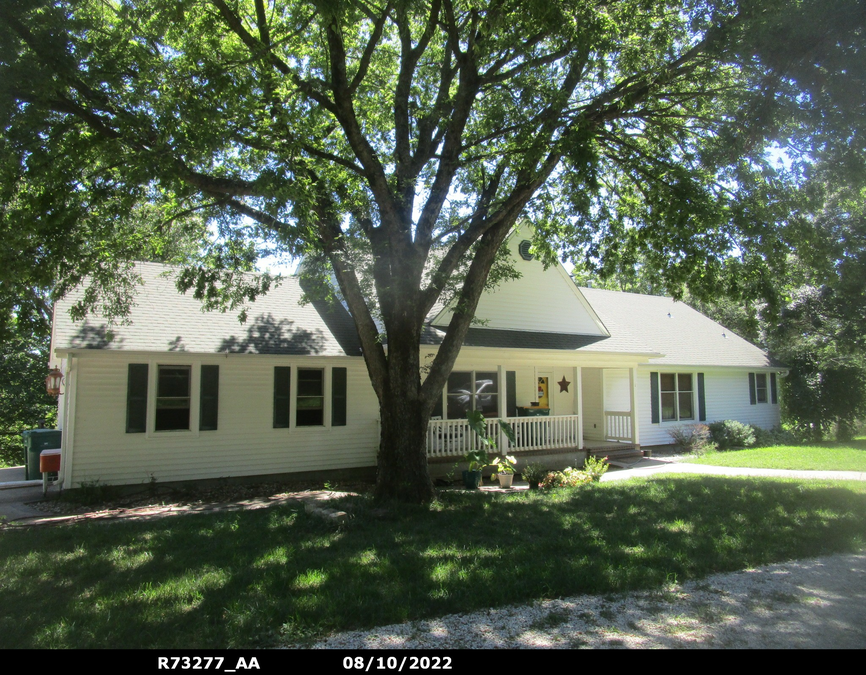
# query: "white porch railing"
[617,426]
[448,438]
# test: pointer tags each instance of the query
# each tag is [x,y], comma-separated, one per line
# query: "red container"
[49,461]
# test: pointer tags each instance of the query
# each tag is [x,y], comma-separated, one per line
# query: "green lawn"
[824,457]
[260,578]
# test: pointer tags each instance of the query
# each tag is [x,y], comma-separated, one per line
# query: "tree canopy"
[397,142]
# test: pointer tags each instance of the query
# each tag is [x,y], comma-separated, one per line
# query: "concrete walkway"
[14,503]
[652,467]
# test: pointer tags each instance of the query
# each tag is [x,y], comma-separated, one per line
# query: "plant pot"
[471,479]
[505,479]
[647,453]
[533,485]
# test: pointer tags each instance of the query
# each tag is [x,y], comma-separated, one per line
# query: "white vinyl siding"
[246,444]
[726,393]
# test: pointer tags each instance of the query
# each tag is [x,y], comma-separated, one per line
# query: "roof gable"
[541,300]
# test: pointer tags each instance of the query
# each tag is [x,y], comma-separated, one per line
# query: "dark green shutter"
[338,397]
[774,395]
[510,393]
[654,398]
[282,396]
[702,401]
[136,399]
[209,400]
[753,393]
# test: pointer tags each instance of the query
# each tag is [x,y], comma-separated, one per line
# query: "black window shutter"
[510,393]
[702,401]
[136,399]
[753,393]
[338,397]
[654,398]
[774,395]
[282,396]
[209,400]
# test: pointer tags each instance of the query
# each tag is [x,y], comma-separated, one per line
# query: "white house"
[181,395]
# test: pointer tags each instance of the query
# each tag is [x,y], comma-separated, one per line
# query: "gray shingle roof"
[163,320]
[685,336]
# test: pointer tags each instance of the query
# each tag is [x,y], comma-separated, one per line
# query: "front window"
[676,396]
[172,398]
[311,397]
[472,391]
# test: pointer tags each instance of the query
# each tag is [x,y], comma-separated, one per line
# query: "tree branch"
[375,36]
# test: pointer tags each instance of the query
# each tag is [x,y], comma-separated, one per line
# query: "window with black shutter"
[136,398]
[209,400]
[282,396]
[338,397]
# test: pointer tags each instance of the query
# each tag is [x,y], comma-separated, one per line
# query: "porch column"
[632,390]
[501,438]
[503,394]
[578,406]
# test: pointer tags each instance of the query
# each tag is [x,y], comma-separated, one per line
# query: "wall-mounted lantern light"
[53,382]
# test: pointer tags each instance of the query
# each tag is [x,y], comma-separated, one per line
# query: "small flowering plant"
[595,467]
[504,464]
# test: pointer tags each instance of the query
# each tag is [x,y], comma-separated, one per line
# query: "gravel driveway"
[819,603]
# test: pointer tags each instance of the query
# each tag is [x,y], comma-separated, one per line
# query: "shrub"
[533,473]
[776,436]
[568,477]
[595,467]
[732,434]
[690,437]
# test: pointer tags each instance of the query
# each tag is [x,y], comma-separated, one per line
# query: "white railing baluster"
[453,438]
[617,425]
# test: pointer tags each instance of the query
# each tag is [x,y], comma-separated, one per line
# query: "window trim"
[676,392]
[474,374]
[770,388]
[195,394]
[323,371]
[327,410]
[188,397]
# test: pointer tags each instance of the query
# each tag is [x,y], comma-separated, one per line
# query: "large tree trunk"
[404,415]
[402,466]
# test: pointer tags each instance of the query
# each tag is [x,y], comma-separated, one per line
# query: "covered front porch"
[551,410]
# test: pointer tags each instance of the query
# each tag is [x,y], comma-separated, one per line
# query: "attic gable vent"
[523,249]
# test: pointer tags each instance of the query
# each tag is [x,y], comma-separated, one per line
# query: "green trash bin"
[35,441]
[533,412]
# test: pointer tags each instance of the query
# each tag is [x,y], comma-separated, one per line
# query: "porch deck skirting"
[450,438]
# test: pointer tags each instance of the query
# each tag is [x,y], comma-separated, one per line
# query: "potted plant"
[477,460]
[533,474]
[503,469]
